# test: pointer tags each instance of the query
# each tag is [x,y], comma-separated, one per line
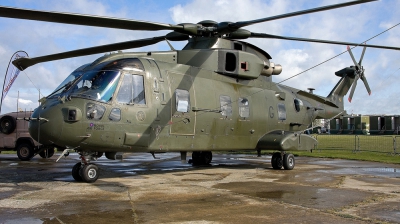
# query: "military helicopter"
[215,94]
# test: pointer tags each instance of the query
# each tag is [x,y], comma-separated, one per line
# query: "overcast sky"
[352,24]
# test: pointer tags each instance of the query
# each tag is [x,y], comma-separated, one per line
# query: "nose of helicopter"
[44,127]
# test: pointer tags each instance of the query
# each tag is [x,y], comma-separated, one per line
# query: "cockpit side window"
[131,90]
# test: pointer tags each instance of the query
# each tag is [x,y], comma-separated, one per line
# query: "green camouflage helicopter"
[215,94]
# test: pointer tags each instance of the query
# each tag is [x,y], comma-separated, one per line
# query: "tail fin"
[340,90]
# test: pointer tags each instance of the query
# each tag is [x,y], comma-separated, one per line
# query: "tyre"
[196,158]
[89,173]
[201,158]
[25,151]
[207,157]
[276,161]
[110,155]
[75,172]
[7,124]
[47,153]
[288,161]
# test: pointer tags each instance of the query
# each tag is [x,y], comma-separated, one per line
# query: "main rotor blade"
[23,63]
[319,9]
[366,84]
[353,88]
[264,35]
[88,20]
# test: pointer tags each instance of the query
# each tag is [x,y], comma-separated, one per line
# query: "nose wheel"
[282,159]
[85,171]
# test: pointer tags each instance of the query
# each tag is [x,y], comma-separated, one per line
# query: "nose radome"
[44,127]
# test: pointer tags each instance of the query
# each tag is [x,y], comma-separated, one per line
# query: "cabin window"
[281,111]
[297,104]
[230,62]
[182,100]
[115,114]
[226,105]
[244,109]
[131,90]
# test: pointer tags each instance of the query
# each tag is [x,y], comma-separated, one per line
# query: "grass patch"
[8,152]
[342,154]
[372,143]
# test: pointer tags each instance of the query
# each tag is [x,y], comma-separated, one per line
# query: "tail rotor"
[356,72]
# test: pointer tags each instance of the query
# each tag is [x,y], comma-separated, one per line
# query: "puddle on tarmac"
[383,170]
[386,212]
[244,159]
[307,196]
[65,179]
[23,221]
[88,216]
[273,194]
[376,171]
[6,194]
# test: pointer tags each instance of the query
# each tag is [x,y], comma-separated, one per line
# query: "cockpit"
[100,82]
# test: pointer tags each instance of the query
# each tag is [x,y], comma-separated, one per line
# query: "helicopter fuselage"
[189,100]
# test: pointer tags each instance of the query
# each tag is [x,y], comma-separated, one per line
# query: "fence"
[356,143]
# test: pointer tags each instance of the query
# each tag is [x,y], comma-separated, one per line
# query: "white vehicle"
[14,135]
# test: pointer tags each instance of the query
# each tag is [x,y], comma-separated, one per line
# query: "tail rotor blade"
[353,88]
[366,84]
[362,55]
[358,72]
[352,57]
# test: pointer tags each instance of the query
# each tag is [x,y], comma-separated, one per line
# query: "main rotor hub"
[208,23]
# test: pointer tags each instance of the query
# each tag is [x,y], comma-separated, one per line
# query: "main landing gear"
[280,159]
[201,158]
[85,171]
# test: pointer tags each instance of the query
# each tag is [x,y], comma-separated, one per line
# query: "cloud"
[24,102]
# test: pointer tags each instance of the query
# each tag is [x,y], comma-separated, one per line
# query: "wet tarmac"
[233,189]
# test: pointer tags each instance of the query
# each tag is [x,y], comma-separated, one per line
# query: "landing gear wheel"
[75,172]
[201,158]
[288,161]
[25,151]
[47,153]
[196,158]
[207,157]
[276,161]
[89,173]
